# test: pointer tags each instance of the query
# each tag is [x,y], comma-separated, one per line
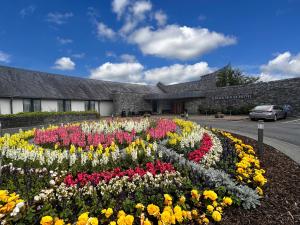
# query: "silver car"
[268,112]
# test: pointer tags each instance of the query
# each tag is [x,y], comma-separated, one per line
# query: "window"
[64,105]
[68,105]
[36,105]
[86,105]
[31,105]
[26,105]
[92,105]
[60,105]
[89,105]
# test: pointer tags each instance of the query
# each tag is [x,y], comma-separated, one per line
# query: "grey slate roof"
[20,83]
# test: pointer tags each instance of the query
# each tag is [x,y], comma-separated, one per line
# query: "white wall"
[17,105]
[96,106]
[106,108]
[4,106]
[49,105]
[77,105]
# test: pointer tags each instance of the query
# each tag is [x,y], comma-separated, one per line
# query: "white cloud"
[27,11]
[139,8]
[161,18]
[134,72]
[119,6]
[78,55]
[4,57]
[64,63]
[179,42]
[105,31]
[64,41]
[284,65]
[135,14]
[58,18]
[128,58]
[177,73]
[122,72]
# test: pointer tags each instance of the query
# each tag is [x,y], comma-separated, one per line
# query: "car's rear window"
[263,107]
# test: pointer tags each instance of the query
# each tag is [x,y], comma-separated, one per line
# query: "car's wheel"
[275,117]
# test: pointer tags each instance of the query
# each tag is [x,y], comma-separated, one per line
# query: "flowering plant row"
[126,172]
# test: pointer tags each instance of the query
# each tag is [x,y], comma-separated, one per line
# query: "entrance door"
[178,107]
[154,106]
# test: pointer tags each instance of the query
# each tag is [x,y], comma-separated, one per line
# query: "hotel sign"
[232,97]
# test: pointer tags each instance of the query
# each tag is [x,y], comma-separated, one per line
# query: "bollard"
[260,138]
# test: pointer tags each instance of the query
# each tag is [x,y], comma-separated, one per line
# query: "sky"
[147,41]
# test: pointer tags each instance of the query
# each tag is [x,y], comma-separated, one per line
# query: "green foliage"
[44,114]
[229,77]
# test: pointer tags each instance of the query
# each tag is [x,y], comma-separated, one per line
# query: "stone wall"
[275,92]
[130,102]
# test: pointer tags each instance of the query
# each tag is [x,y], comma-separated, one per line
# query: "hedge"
[44,114]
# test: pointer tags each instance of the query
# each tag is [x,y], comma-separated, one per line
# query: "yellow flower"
[153,210]
[210,194]
[129,220]
[259,178]
[227,200]
[93,221]
[215,203]
[210,208]
[259,191]
[182,199]
[140,206]
[205,220]
[59,222]
[166,217]
[121,213]
[46,220]
[84,217]
[112,223]
[195,212]
[216,216]
[195,194]
[109,212]
[168,199]
[147,222]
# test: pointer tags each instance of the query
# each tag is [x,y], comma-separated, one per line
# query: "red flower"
[205,147]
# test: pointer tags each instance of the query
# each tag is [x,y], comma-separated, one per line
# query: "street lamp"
[260,138]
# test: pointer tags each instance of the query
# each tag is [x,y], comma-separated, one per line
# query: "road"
[282,134]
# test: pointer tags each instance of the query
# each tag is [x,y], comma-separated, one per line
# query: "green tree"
[229,76]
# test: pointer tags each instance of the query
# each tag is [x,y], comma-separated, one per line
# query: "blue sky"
[146,41]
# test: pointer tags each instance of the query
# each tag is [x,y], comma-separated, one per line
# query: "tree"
[229,76]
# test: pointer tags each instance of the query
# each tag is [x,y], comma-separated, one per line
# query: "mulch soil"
[281,201]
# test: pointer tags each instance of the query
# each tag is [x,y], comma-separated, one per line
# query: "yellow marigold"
[216,216]
[166,217]
[215,203]
[59,222]
[205,220]
[153,210]
[182,199]
[210,208]
[121,213]
[93,221]
[84,217]
[195,194]
[121,220]
[107,212]
[168,199]
[129,220]
[259,191]
[195,212]
[227,200]
[147,222]
[140,206]
[259,178]
[46,220]
[112,223]
[210,194]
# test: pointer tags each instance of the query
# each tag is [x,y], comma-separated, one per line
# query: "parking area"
[283,134]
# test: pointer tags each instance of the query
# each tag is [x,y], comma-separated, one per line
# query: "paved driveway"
[282,134]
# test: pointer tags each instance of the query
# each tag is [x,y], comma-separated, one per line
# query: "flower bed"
[127,172]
